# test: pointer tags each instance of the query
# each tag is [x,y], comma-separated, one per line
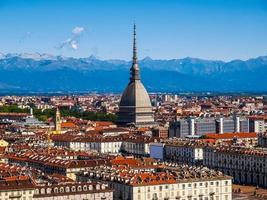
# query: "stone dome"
[135,95]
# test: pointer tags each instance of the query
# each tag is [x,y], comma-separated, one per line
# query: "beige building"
[74,191]
[245,165]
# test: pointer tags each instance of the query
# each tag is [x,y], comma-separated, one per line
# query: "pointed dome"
[135,106]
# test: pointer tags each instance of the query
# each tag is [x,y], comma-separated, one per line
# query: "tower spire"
[135,75]
[134,46]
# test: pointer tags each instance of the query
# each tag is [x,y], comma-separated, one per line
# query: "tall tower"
[135,106]
[57,121]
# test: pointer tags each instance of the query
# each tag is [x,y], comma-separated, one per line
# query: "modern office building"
[195,127]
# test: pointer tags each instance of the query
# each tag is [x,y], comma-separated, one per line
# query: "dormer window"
[67,189]
[61,190]
[73,189]
[56,190]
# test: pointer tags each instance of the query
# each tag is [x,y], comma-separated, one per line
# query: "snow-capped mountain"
[35,71]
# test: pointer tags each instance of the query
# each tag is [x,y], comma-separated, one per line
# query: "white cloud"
[78,30]
[72,42]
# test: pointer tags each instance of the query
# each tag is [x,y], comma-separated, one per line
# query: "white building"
[180,182]
[182,151]
[100,144]
[258,123]
[128,144]
[191,154]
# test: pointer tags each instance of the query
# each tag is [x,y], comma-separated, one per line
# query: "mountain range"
[47,73]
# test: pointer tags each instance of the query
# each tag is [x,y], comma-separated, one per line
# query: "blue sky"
[209,29]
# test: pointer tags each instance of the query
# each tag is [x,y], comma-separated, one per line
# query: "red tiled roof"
[230,135]
[68,125]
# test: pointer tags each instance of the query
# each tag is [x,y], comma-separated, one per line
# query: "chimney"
[221,124]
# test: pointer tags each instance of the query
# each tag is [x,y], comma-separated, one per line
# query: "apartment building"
[179,182]
[245,165]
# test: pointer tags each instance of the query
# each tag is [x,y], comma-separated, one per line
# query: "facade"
[184,153]
[191,127]
[18,187]
[196,127]
[245,165]
[258,123]
[74,191]
[180,151]
[138,146]
[127,144]
[106,144]
[180,182]
[262,140]
[157,151]
[179,129]
[232,125]
[135,105]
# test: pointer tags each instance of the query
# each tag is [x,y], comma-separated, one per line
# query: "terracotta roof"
[258,117]
[16,183]
[68,125]
[103,123]
[231,135]
[14,114]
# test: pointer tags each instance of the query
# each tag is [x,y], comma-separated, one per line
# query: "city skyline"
[218,30]
[133,100]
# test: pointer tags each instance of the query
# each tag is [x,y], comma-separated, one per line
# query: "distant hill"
[48,73]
